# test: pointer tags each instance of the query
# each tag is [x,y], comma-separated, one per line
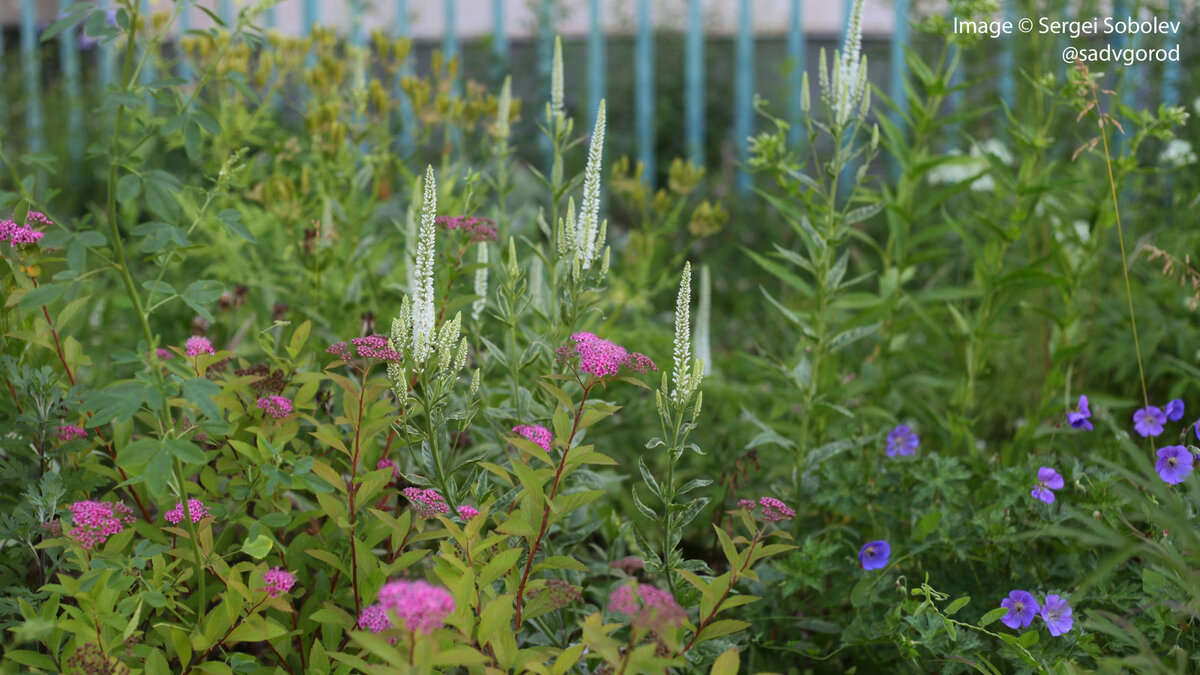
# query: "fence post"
[149,71]
[105,54]
[1128,79]
[694,81]
[596,58]
[185,24]
[1170,93]
[545,66]
[226,11]
[846,177]
[450,34]
[356,23]
[898,72]
[407,118]
[68,51]
[954,99]
[743,114]
[500,50]
[643,97]
[31,70]
[796,66]
[1008,61]
[311,15]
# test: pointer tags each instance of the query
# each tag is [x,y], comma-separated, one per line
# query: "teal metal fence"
[746,66]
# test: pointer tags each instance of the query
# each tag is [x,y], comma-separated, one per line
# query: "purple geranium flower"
[874,555]
[1079,418]
[1174,464]
[1048,480]
[1149,421]
[1022,607]
[902,440]
[1056,612]
[1174,410]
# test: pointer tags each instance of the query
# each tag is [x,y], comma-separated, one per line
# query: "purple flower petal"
[1174,410]
[1079,417]
[902,440]
[1174,464]
[1056,612]
[1043,494]
[1149,421]
[1050,478]
[874,555]
[1022,607]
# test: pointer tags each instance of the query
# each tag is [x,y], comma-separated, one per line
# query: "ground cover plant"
[323,379]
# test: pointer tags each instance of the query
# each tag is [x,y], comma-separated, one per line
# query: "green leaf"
[928,524]
[728,663]
[42,295]
[958,604]
[1028,639]
[232,220]
[722,627]
[495,616]
[200,293]
[71,17]
[129,187]
[649,478]
[138,452]
[257,548]
[299,337]
[118,402]
[186,451]
[161,200]
[497,566]
[862,592]
[992,617]
[850,336]
[191,139]
[200,392]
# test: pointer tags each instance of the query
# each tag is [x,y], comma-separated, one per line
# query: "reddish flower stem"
[71,376]
[353,492]
[732,582]
[562,463]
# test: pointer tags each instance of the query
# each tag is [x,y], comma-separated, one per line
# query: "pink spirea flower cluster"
[656,611]
[427,502]
[196,507]
[480,229]
[369,347]
[69,432]
[601,357]
[95,522]
[386,463]
[774,510]
[23,235]
[197,345]
[539,435]
[164,354]
[374,618]
[276,406]
[467,512]
[419,607]
[278,581]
